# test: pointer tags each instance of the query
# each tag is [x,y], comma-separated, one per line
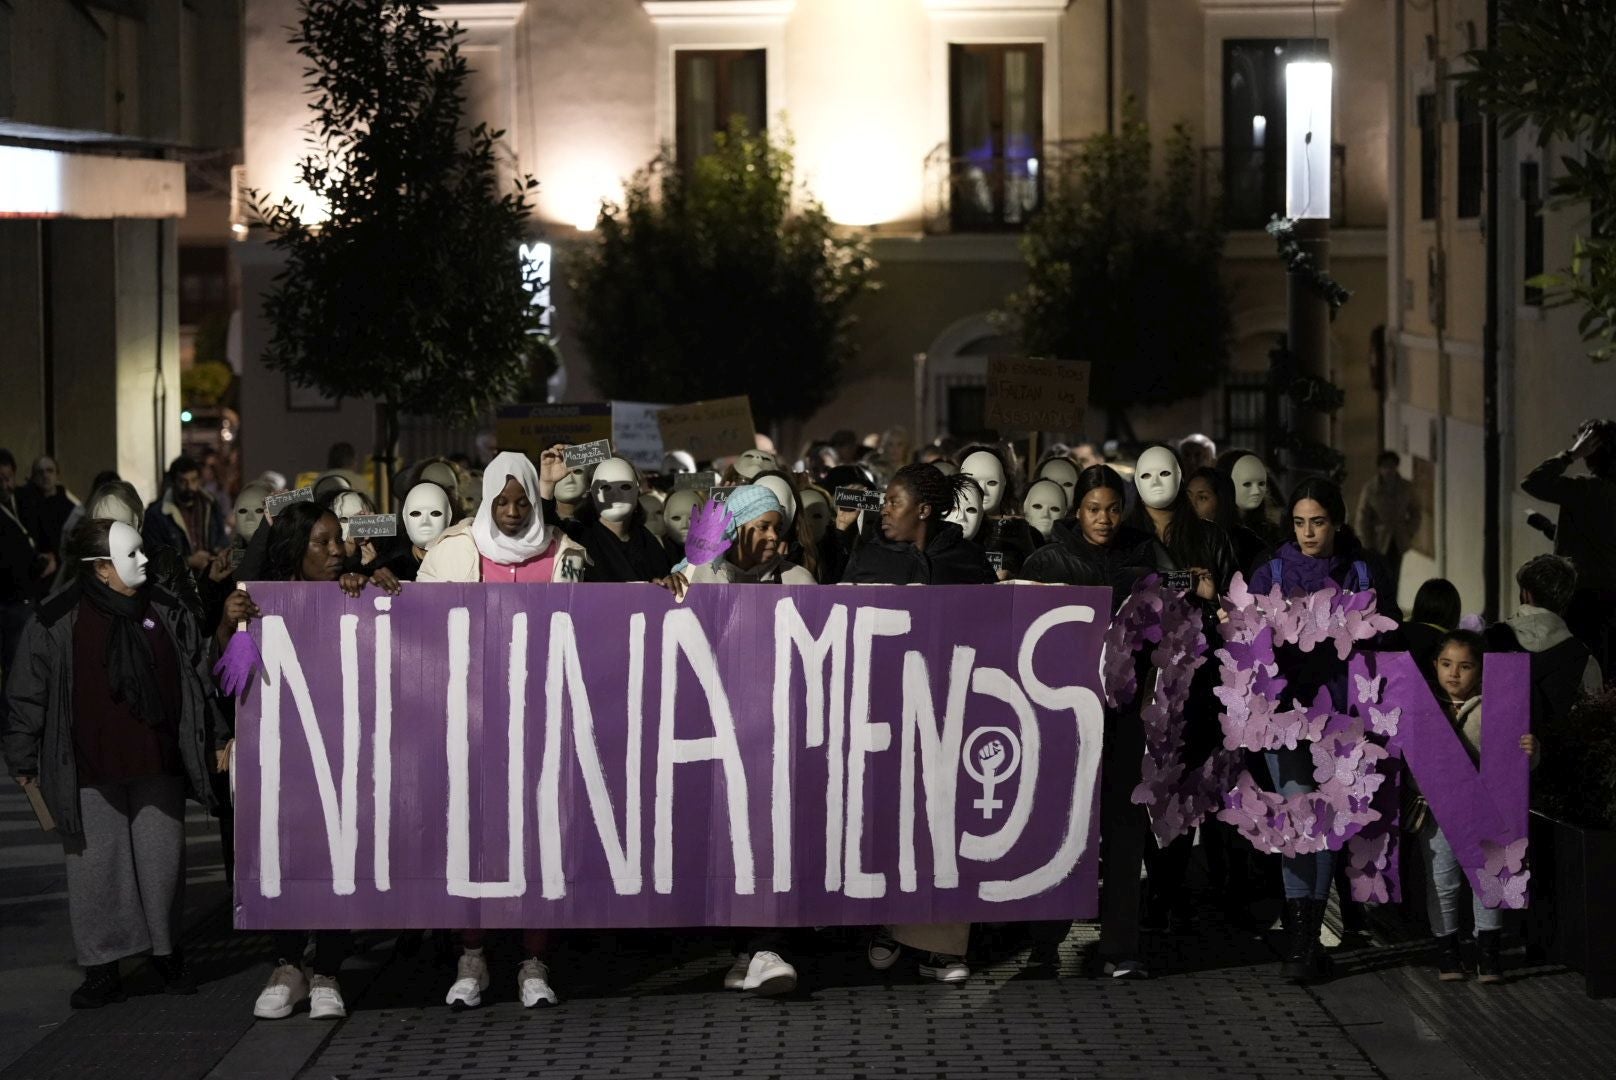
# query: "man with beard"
[184,518]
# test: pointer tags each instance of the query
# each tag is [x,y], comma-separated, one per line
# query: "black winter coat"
[949,559]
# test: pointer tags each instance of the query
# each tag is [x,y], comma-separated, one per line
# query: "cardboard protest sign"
[708,430]
[637,435]
[722,494]
[586,454]
[696,481]
[1037,395]
[533,429]
[520,755]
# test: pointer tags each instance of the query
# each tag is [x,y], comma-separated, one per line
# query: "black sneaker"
[176,973]
[101,986]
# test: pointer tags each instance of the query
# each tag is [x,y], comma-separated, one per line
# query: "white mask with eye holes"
[112,508]
[655,524]
[574,486]
[677,510]
[752,462]
[615,489]
[426,514]
[1044,505]
[1157,476]
[1250,478]
[787,495]
[250,510]
[967,512]
[126,552]
[988,472]
[349,504]
[816,512]
[1064,473]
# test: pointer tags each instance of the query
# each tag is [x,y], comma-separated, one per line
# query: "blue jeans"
[1306,877]
[1445,882]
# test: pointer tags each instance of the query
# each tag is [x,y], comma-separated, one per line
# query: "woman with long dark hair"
[1322,553]
[1095,546]
[112,719]
[1212,497]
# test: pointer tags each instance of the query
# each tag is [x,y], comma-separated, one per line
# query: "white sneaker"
[1126,969]
[471,979]
[325,999]
[944,968]
[533,981]
[884,950]
[768,974]
[286,987]
[735,977]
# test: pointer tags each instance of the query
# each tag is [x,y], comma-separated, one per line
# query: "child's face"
[1458,670]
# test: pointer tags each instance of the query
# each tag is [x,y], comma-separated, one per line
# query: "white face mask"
[1156,475]
[443,474]
[349,504]
[788,499]
[752,462]
[615,489]
[988,473]
[654,522]
[1044,505]
[126,552]
[1250,478]
[1062,472]
[816,512]
[573,487]
[426,514]
[967,512]
[250,510]
[676,512]
[110,508]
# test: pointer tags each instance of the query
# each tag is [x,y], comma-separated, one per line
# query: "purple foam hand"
[708,537]
[239,663]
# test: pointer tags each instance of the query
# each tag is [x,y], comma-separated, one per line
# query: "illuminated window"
[711,88]
[996,120]
[1254,125]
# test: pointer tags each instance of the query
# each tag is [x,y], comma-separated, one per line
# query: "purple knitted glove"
[711,530]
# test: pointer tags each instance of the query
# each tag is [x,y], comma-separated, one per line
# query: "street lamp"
[1307,204]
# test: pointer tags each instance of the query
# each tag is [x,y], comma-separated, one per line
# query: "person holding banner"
[1324,553]
[112,718]
[919,547]
[1458,675]
[507,541]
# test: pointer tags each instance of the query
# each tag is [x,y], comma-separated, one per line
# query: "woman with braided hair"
[917,546]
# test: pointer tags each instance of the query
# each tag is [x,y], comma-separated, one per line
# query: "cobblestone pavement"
[650,1005]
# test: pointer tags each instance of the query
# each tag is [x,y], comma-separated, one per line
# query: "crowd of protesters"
[112,614]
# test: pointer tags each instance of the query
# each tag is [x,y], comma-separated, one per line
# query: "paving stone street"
[650,1004]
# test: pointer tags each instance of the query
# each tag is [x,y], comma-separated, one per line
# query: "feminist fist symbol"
[994,761]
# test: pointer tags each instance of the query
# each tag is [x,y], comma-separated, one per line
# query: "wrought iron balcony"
[986,193]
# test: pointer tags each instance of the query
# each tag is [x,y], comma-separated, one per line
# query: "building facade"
[102,105]
[923,122]
[1442,241]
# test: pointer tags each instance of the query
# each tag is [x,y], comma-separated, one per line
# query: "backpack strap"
[1360,574]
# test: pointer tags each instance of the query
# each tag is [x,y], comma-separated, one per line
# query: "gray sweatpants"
[124,882]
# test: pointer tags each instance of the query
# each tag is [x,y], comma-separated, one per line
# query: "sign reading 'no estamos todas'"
[1037,395]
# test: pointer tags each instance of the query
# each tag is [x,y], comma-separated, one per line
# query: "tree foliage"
[401,278]
[719,279]
[1552,66]
[1124,273]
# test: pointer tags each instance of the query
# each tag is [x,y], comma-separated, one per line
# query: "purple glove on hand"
[710,533]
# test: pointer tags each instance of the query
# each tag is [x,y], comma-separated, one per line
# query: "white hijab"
[493,544]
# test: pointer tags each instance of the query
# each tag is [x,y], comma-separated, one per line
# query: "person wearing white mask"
[967,512]
[1044,504]
[676,514]
[987,469]
[610,524]
[113,720]
[1183,540]
[428,514]
[1063,472]
[1254,495]
[752,462]
[507,542]
[651,507]
[249,511]
[797,537]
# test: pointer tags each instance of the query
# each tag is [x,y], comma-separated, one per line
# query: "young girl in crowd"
[1458,677]
[112,719]
[508,541]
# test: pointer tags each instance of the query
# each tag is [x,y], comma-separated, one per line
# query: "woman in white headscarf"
[507,541]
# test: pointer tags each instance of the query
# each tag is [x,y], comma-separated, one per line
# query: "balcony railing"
[1249,184]
[989,194]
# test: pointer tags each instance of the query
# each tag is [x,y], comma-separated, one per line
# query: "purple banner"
[599,756]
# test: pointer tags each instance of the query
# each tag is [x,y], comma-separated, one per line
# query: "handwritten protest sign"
[533,429]
[636,433]
[709,429]
[572,756]
[1036,395]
